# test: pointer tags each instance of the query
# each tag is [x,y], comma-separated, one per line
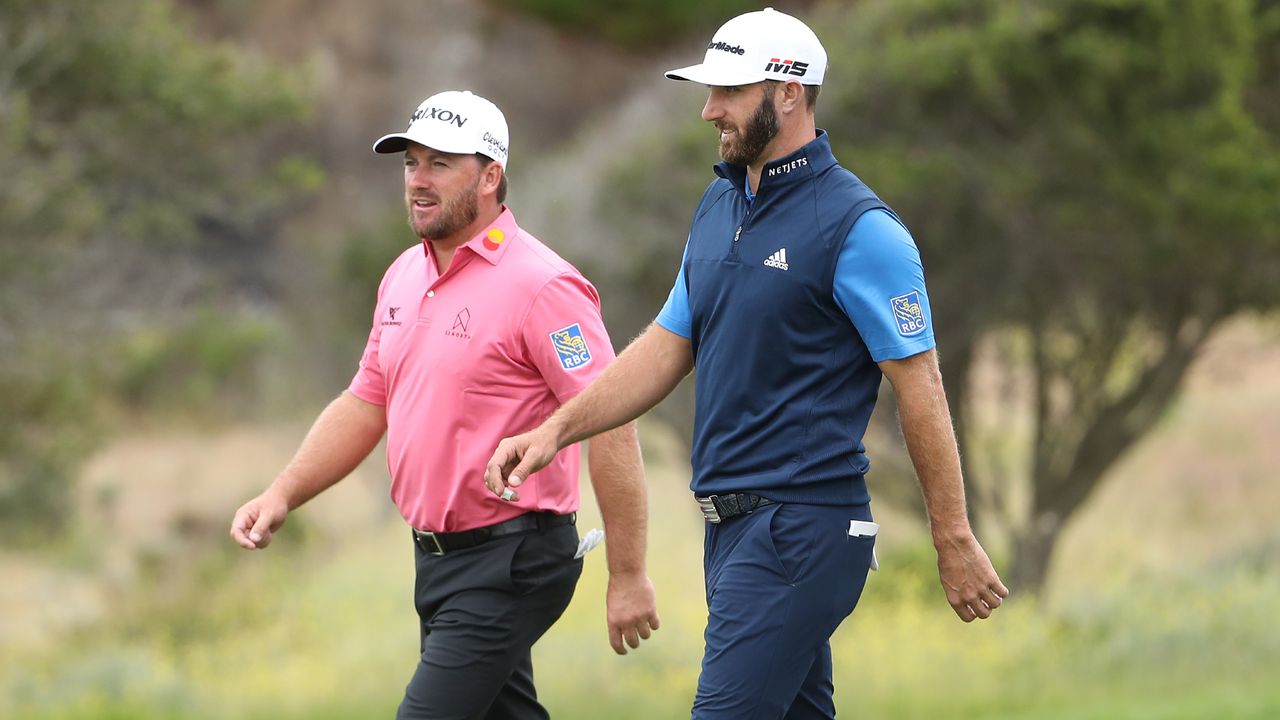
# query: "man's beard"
[745,146]
[451,216]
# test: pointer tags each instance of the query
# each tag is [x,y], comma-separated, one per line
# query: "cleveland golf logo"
[494,143]
[787,67]
[442,114]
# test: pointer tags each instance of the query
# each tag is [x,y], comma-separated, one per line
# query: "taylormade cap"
[761,45]
[454,122]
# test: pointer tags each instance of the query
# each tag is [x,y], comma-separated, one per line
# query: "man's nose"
[712,111]
[418,178]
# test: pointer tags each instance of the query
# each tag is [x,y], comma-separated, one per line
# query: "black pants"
[481,610]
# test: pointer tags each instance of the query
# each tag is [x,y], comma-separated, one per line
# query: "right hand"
[257,519]
[519,457]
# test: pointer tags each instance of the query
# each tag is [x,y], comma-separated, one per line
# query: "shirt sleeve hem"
[675,326]
[903,350]
[366,395]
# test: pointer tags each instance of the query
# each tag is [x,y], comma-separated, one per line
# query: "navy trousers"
[780,580]
[481,609]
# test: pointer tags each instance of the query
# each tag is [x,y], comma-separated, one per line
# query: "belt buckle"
[708,507]
[431,540]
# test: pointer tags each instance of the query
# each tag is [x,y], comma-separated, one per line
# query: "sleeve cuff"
[672,325]
[904,350]
[365,393]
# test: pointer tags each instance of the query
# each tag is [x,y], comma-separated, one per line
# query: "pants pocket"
[790,536]
[546,558]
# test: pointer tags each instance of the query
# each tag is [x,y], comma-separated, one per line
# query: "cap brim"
[393,143]
[711,75]
[399,142]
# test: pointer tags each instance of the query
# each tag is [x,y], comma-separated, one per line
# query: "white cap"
[761,45]
[453,122]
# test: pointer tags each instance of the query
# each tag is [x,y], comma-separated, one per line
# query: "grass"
[1163,604]
[326,631]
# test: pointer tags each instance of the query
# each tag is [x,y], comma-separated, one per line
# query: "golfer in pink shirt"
[480,332]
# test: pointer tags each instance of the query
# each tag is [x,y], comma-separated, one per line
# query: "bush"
[634,24]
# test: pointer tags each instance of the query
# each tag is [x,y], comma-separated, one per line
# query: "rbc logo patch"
[571,347]
[908,313]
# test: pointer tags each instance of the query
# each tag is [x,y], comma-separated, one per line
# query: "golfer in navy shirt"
[798,291]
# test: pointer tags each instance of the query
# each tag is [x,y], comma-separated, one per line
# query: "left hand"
[632,610]
[970,582]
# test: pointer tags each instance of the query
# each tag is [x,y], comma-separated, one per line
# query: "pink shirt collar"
[492,242]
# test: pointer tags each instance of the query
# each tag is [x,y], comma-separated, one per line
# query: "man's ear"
[490,178]
[792,98]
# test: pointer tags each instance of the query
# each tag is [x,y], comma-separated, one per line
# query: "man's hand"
[970,582]
[257,519]
[519,457]
[632,610]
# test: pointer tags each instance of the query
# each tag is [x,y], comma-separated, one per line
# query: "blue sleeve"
[675,314]
[879,284]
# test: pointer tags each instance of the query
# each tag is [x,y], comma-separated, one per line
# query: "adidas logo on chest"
[777,260]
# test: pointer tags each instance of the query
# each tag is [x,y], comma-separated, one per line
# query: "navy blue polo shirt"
[790,297]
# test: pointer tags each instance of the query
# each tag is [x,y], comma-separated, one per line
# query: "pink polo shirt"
[489,349]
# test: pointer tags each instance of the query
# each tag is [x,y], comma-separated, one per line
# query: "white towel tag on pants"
[588,542]
[866,528]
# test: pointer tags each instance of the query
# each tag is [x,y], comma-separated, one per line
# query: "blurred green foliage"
[61,404]
[206,363]
[47,426]
[634,24]
[143,178]
[328,632]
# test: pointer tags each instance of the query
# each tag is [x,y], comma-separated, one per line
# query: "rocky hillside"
[371,63]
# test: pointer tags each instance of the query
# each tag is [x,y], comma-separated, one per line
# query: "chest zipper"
[733,250]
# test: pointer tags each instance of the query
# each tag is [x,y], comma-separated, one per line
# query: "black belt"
[718,508]
[440,543]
